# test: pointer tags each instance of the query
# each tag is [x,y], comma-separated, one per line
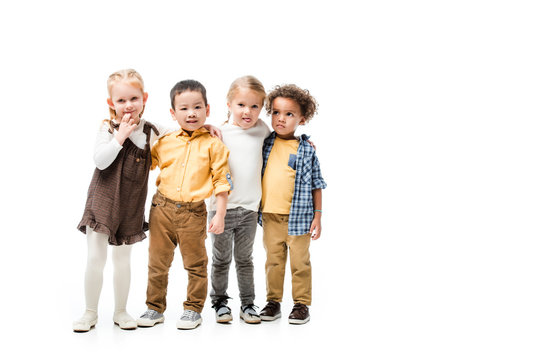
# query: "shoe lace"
[220,303]
[149,314]
[252,307]
[189,315]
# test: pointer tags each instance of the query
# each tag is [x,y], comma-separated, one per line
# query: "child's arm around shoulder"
[162,131]
[167,129]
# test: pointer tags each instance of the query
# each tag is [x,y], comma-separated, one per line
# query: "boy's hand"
[215,132]
[127,125]
[217,224]
[316,227]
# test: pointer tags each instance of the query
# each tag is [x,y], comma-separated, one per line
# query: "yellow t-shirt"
[192,166]
[279,177]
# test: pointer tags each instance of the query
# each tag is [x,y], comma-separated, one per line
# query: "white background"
[427,136]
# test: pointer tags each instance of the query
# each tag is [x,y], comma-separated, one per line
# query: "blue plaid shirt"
[308,178]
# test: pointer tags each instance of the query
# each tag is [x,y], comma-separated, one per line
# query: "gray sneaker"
[189,320]
[222,312]
[150,318]
[249,314]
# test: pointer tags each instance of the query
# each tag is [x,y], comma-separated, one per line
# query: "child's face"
[189,110]
[245,108]
[286,116]
[127,99]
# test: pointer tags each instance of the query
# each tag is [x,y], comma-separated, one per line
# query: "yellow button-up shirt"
[192,167]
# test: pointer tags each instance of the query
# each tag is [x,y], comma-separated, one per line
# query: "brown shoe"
[299,314]
[271,311]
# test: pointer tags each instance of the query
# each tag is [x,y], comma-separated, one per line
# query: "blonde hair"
[130,76]
[249,82]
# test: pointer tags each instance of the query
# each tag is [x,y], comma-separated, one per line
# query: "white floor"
[376,302]
[238,340]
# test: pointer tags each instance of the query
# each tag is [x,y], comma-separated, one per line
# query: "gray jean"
[238,239]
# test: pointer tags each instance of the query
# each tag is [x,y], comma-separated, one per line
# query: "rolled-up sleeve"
[317,180]
[220,172]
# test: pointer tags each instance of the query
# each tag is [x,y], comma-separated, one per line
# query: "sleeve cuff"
[115,143]
[222,188]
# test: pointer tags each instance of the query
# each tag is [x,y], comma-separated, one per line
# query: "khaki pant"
[184,224]
[277,243]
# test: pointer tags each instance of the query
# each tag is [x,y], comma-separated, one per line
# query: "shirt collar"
[301,138]
[196,133]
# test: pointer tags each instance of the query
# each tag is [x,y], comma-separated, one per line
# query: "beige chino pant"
[278,243]
[183,224]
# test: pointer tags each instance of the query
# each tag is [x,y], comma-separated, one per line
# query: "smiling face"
[127,99]
[286,116]
[190,110]
[245,107]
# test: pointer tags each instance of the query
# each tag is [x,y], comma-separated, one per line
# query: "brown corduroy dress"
[117,194]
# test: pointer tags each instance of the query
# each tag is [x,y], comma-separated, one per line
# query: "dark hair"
[187,85]
[305,100]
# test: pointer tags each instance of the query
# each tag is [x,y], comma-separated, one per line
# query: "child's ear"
[173,114]
[302,121]
[144,98]
[208,110]
[110,103]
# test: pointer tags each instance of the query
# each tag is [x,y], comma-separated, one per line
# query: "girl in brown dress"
[114,211]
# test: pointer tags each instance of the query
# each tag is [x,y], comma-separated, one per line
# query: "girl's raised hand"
[127,125]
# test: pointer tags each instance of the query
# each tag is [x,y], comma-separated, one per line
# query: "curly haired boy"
[291,207]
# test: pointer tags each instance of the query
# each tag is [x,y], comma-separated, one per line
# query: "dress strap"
[112,126]
[148,128]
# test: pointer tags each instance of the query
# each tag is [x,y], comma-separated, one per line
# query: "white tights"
[93,281]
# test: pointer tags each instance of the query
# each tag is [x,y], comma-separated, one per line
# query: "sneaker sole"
[188,325]
[298,321]
[223,319]
[253,320]
[270,318]
[149,323]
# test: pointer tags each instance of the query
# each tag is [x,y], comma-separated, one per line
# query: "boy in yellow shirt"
[193,166]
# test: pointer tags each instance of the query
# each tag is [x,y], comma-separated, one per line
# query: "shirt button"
[183,164]
[138,160]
